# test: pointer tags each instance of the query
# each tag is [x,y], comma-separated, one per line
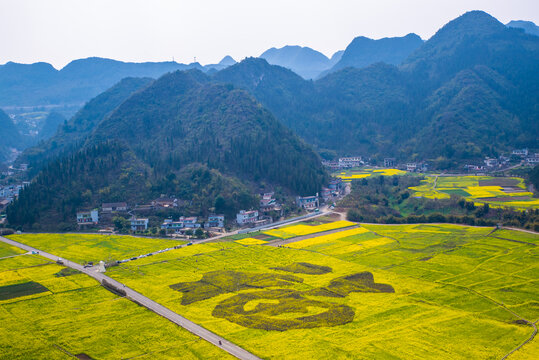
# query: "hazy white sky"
[58,31]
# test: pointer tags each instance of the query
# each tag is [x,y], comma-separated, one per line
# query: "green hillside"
[181,135]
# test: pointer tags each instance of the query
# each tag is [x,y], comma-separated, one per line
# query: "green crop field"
[498,192]
[83,248]
[49,313]
[378,291]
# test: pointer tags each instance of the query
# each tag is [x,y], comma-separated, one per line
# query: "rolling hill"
[183,134]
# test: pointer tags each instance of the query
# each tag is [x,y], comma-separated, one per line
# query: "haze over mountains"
[470,91]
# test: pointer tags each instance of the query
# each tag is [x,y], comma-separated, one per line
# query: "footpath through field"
[142,300]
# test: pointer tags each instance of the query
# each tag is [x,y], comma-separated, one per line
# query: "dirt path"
[142,300]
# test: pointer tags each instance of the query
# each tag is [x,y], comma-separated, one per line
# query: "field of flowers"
[480,189]
[83,248]
[350,175]
[75,316]
[8,250]
[291,231]
[377,291]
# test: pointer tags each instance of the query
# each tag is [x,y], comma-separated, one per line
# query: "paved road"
[148,303]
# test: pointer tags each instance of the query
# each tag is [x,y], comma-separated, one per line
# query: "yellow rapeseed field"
[82,248]
[425,291]
[77,317]
[250,241]
[478,190]
[299,230]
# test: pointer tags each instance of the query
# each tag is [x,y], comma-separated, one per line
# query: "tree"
[121,224]
[199,233]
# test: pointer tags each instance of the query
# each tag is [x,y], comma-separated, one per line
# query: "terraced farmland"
[509,192]
[49,313]
[378,291]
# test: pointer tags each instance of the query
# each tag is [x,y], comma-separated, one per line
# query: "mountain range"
[471,90]
[41,84]
[473,73]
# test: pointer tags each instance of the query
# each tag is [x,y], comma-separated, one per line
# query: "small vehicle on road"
[189,243]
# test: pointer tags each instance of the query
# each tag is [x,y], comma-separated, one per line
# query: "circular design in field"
[281,310]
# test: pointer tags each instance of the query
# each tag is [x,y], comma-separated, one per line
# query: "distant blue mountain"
[78,82]
[528,26]
[304,61]
[363,51]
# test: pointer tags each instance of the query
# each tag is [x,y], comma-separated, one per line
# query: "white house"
[308,202]
[246,217]
[216,221]
[138,224]
[110,207]
[87,217]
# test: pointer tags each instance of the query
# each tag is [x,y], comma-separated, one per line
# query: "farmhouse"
[215,221]
[520,152]
[189,222]
[246,217]
[333,165]
[491,162]
[325,193]
[87,217]
[165,202]
[348,162]
[390,162]
[4,203]
[307,202]
[138,224]
[533,159]
[111,207]
[336,185]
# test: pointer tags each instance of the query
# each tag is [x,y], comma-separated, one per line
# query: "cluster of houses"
[357,161]
[526,155]
[192,222]
[8,193]
[268,207]
[491,163]
[11,170]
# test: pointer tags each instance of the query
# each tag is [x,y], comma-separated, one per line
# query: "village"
[139,219]
[488,164]
[144,218]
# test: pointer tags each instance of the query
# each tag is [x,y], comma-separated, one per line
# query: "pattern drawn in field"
[457,282]
[279,308]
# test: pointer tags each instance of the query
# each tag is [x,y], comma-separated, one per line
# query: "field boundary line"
[309,236]
[532,324]
[148,303]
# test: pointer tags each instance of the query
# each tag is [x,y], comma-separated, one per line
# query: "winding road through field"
[142,300]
